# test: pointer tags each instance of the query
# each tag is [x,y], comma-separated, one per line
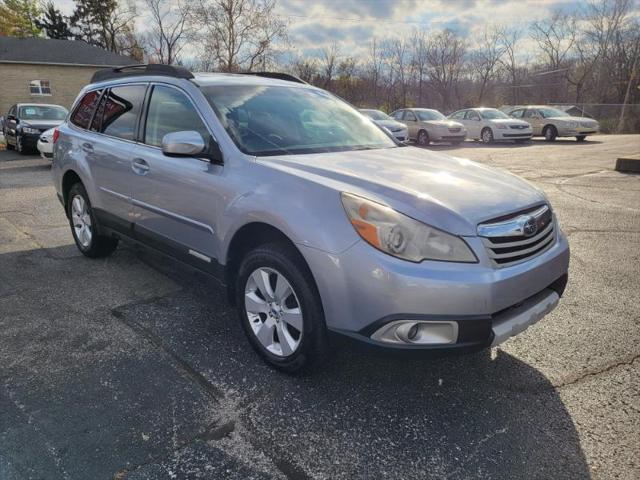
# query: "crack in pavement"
[217,430]
[594,373]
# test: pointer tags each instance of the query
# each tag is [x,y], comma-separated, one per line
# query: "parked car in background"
[313,227]
[426,125]
[490,124]
[551,123]
[45,144]
[25,122]
[397,129]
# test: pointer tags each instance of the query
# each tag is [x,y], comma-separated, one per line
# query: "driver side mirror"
[190,143]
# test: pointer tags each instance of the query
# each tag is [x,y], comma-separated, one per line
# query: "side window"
[409,116]
[398,115]
[530,113]
[517,113]
[119,114]
[81,116]
[12,111]
[171,111]
[458,115]
[471,115]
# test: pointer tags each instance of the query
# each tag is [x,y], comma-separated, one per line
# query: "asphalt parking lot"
[134,367]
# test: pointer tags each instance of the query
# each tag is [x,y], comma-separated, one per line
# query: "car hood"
[41,124]
[449,193]
[390,124]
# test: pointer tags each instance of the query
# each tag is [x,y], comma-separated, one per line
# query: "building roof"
[57,52]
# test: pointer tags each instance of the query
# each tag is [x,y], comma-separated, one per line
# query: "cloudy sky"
[352,24]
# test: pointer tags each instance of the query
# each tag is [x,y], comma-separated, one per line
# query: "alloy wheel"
[81,221]
[273,311]
[487,136]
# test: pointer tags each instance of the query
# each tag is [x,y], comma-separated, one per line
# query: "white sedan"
[490,124]
[45,144]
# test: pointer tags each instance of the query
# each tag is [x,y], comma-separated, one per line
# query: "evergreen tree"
[54,24]
[91,19]
[18,18]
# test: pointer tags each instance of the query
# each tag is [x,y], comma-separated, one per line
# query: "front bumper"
[45,149]
[448,136]
[573,132]
[362,289]
[512,134]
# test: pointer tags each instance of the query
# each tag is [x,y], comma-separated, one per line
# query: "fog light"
[418,332]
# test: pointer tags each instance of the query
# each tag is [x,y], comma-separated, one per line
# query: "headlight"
[501,126]
[572,124]
[402,236]
[29,130]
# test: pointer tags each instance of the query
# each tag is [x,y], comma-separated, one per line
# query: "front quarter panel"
[308,213]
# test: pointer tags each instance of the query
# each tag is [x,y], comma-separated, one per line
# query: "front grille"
[518,237]
[588,124]
[518,127]
[455,129]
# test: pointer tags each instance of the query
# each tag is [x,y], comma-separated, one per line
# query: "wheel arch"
[245,239]
[69,178]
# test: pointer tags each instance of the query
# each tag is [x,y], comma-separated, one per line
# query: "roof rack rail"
[277,75]
[141,69]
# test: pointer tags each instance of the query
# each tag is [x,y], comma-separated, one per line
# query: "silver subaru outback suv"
[317,221]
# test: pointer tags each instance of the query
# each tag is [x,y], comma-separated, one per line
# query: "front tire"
[20,146]
[487,135]
[581,138]
[84,226]
[423,138]
[280,309]
[550,133]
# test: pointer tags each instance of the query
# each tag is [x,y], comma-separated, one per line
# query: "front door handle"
[140,166]
[87,147]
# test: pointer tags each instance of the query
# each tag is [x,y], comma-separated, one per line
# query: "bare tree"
[419,61]
[238,34]
[305,68]
[168,30]
[445,55]
[555,37]
[486,58]
[328,63]
[510,61]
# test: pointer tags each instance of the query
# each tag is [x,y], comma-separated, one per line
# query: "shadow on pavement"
[170,384]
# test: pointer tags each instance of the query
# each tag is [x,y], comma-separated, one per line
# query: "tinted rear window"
[84,111]
[120,112]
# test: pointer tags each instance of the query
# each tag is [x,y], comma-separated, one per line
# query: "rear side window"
[471,115]
[84,111]
[171,111]
[119,114]
[398,115]
[409,116]
[517,113]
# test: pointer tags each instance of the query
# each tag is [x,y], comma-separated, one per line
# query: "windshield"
[552,112]
[426,115]
[42,112]
[265,120]
[376,115]
[493,114]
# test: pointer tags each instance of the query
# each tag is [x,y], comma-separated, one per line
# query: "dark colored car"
[25,122]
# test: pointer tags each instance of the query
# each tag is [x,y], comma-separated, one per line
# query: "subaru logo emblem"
[530,227]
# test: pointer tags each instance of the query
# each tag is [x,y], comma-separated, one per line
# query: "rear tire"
[550,133]
[84,226]
[581,138]
[304,341]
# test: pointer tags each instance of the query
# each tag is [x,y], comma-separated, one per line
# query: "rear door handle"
[139,166]
[87,147]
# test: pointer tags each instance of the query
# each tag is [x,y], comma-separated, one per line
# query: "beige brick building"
[38,70]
